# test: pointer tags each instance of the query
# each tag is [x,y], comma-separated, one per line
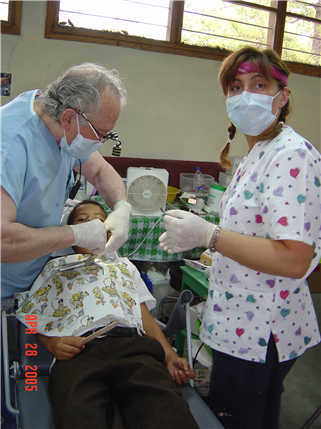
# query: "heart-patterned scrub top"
[274,194]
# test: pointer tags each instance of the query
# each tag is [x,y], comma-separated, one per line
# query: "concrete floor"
[302,395]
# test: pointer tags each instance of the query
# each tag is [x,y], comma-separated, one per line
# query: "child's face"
[86,213]
[89,212]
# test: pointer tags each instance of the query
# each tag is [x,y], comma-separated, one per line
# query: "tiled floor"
[302,395]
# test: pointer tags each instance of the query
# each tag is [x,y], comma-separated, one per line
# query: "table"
[195,281]
[150,249]
[198,283]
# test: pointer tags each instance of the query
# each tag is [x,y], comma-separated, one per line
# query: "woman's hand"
[180,370]
[184,231]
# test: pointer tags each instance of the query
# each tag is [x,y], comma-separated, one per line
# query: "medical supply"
[206,258]
[186,182]
[123,203]
[251,113]
[90,261]
[197,265]
[194,231]
[225,179]
[90,235]
[171,194]
[188,201]
[99,332]
[117,223]
[199,186]
[235,162]
[215,196]
[80,146]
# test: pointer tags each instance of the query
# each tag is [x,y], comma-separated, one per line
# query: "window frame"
[173,45]
[13,25]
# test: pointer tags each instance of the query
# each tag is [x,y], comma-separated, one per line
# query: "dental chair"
[29,370]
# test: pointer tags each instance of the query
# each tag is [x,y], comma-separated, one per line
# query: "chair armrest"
[177,321]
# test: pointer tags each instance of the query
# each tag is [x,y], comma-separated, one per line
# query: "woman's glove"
[118,224]
[184,231]
[90,235]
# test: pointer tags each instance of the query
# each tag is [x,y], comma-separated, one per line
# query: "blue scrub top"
[37,176]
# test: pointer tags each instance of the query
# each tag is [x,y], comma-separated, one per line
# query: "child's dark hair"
[72,214]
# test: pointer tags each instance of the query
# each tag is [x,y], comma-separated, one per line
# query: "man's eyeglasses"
[109,136]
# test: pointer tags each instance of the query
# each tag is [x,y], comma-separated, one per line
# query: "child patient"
[132,365]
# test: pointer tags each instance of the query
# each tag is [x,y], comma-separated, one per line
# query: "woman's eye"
[260,85]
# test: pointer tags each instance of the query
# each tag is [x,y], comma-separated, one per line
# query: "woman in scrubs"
[259,315]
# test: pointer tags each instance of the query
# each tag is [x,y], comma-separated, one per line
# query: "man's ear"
[67,118]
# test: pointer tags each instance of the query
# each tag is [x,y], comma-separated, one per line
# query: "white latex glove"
[118,224]
[90,235]
[184,231]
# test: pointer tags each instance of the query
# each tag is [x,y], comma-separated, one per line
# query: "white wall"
[175,108]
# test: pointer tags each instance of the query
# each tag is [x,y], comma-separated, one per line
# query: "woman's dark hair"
[262,59]
[72,214]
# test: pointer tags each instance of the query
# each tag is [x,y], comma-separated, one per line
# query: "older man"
[44,137]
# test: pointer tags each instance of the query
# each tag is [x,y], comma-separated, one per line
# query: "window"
[231,24]
[10,16]
[121,16]
[302,33]
[199,28]
[4,10]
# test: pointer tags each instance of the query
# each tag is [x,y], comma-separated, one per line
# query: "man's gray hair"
[80,88]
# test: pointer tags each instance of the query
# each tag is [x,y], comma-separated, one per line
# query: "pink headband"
[248,67]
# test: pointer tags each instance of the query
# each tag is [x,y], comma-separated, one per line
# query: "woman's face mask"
[251,113]
[80,146]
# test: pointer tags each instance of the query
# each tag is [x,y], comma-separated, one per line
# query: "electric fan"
[147,190]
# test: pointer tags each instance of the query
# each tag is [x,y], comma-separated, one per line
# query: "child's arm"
[63,348]
[178,367]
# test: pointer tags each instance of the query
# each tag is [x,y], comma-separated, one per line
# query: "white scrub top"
[37,176]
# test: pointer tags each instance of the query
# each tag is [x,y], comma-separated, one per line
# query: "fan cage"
[147,191]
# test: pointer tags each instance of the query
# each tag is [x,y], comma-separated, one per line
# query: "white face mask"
[80,146]
[251,113]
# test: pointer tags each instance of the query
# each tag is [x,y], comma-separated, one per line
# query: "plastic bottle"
[199,187]
[215,196]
